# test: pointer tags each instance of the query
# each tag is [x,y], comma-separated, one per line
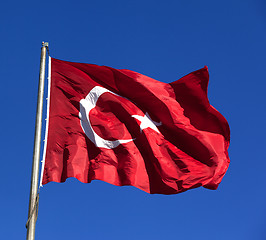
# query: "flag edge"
[47,121]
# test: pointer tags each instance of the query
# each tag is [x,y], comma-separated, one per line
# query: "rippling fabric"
[125,128]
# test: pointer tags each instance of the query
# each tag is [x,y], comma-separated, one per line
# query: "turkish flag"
[125,128]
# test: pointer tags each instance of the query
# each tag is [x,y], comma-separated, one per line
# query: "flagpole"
[34,196]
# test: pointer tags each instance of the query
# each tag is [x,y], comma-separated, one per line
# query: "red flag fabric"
[125,128]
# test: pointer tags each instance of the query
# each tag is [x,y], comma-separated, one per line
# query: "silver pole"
[33,204]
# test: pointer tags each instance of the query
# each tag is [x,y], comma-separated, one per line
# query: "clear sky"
[164,40]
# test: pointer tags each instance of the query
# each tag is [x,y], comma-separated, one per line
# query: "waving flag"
[125,128]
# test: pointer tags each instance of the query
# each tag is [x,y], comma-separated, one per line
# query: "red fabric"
[188,151]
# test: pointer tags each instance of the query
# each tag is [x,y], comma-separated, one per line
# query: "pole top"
[45,44]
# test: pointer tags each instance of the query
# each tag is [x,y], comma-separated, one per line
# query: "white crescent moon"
[86,105]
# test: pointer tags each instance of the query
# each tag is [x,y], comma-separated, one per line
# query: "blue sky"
[164,40]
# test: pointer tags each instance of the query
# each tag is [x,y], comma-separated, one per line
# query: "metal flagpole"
[34,195]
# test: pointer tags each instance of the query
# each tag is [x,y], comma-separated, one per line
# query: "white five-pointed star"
[146,122]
